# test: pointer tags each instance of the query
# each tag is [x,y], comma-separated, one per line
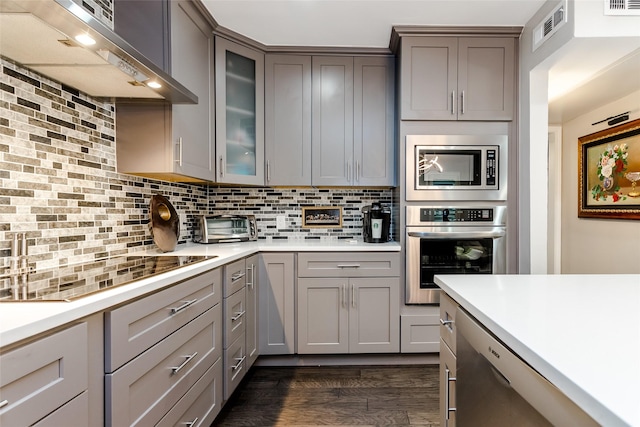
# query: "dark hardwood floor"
[371,396]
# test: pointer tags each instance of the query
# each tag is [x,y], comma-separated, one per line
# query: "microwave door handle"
[457,234]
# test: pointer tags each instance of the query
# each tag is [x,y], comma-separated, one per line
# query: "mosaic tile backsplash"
[59,183]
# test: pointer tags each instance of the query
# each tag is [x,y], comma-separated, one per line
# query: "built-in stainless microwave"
[456,167]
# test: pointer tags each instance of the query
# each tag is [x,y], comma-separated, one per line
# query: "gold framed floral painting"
[609,173]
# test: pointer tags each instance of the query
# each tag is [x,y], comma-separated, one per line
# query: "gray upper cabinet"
[353,121]
[288,120]
[457,78]
[332,115]
[373,121]
[239,80]
[174,142]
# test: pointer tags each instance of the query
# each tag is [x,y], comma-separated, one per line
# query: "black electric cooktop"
[78,280]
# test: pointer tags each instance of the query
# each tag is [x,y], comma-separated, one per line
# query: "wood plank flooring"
[372,396]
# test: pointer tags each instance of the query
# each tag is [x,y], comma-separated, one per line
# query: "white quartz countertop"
[23,320]
[581,332]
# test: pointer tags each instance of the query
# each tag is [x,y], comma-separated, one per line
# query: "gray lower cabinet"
[348,303]
[457,78]
[448,365]
[47,380]
[288,119]
[353,121]
[158,348]
[277,303]
[420,333]
[240,304]
[251,329]
[174,142]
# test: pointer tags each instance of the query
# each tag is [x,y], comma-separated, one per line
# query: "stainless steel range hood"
[40,35]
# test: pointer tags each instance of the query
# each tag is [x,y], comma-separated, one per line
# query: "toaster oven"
[226,228]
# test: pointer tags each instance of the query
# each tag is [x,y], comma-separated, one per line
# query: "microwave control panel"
[456,215]
[491,167]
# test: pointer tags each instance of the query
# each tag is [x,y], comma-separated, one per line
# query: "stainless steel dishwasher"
[494,387]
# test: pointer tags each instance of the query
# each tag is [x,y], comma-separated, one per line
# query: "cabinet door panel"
[447,388]
[235,316]
[288,119]
[201,404]
[239,113]
[429,72]
[277,303]
[323,316]
[134,327]
[192,43]
[332,131]
[354,264]
[251,327]
[374,316]
[141,392]
[486,78]
[374,117]
[39,377]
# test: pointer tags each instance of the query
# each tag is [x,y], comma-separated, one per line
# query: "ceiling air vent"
[550,24]
[622,7]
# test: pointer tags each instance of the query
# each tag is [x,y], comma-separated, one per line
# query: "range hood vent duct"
[40,35]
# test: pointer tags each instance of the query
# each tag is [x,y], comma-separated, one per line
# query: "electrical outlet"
[281,222]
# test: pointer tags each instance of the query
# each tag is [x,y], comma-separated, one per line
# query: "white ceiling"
[358,23]
[594,69]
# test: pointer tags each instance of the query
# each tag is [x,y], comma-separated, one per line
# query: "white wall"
[602,44]
[595,245]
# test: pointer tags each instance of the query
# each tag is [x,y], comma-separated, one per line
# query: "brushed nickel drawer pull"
[238,315]
[348,265]
[353,295]
[447,391]
[446,322]
[237,365]
[186,304]
[191,423]
[237,276]
[188,359]
[252,269]
[4,403]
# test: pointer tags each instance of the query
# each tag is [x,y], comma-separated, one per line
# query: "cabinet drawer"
[133,328]
[342,264]
[420,333]
[140,392]
[447,321]
[235,316]
[235,366]
[201,404]
[41,376]
[234,277]
[75,412]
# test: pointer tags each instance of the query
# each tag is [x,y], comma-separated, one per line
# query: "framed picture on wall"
[322,217]
[609,173]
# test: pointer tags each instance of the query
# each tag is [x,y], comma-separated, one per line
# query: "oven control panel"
[456,215]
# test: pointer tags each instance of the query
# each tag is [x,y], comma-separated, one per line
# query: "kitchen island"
[581,332]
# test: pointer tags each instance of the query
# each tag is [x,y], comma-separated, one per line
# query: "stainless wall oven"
[451,240]
[456,167]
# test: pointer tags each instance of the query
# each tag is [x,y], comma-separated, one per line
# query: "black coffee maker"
[376,222]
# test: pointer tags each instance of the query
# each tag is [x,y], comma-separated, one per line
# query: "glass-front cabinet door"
[239,114]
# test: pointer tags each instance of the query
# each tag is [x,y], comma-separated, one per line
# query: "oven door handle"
[494,234]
